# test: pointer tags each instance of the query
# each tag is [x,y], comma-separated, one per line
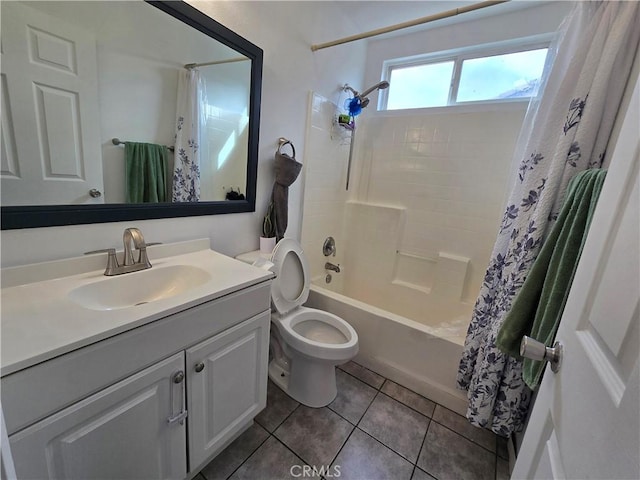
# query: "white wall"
[137,104]
[285,31]
[223,147]
[325,173]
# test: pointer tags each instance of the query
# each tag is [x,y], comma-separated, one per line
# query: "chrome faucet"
[131,235]
[332,267]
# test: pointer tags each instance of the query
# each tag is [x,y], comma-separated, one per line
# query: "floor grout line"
[388,447]
[294,453]
[280,424]
[271,434]
[368,407]
[410,407]
[342,417]
[368,384]
[413,471]
[342,446]
[464,436]
[245,460]
[424,441]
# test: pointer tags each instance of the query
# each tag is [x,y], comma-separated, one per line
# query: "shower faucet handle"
[329,247]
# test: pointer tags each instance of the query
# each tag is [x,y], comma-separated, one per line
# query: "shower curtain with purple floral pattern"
[565,131]
[186,162]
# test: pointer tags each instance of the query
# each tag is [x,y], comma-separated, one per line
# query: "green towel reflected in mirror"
[146,172]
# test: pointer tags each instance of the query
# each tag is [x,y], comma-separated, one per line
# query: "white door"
[586,419]
[227,385]
[121,433]
[50,117]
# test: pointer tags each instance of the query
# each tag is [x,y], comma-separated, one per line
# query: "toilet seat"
[290,288]
[304,328]
[289,328]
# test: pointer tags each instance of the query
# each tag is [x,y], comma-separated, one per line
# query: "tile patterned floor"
[375,429]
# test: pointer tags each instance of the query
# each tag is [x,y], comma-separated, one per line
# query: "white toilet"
[306,343]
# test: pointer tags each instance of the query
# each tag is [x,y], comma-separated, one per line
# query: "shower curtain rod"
[410,23]
[189,66]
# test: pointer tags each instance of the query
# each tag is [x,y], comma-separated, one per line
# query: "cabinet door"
[120,432]
[226,385]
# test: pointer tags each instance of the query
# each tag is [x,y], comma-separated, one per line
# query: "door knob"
[535,350]
[199,367]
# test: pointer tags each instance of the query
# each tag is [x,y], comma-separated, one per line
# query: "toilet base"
[279,375]
[311,383]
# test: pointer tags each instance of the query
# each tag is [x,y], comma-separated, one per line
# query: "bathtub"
[421,357]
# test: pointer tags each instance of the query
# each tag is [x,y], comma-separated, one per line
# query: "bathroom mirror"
[82,73]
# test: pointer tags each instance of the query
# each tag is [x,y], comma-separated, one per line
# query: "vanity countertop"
[40,321]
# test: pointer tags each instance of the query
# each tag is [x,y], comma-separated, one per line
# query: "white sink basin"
[138,288]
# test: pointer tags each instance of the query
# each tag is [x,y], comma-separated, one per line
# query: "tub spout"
[332,267]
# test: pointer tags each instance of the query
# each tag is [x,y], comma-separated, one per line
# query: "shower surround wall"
[325,176]
[415,231]
[440,180]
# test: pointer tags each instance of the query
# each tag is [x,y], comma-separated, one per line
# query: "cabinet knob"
[178,377]
[199,367]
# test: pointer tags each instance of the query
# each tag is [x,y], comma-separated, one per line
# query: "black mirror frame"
[58,215]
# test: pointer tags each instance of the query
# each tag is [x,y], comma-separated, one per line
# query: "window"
[431,93]
[478,75]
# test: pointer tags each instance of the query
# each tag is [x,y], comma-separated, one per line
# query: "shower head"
[360,99]
[364,101]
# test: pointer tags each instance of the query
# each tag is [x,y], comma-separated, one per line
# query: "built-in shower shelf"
[412,286]
[444,275]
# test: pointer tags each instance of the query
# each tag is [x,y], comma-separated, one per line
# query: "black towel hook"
[282,142]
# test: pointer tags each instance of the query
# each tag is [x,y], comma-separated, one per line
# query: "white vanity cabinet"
[121,432]
[158,401]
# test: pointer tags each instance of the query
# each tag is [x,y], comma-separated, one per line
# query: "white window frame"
[458,56]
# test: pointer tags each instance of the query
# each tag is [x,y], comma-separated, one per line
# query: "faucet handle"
[110,251]
[112,260]
[142,257]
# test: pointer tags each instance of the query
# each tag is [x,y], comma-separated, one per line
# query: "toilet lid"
[290,288]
